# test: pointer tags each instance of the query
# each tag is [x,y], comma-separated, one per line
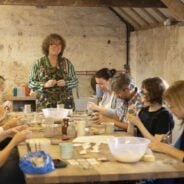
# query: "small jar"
[64,126]
[71,131]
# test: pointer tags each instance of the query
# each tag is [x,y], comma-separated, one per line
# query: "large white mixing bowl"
[128,149]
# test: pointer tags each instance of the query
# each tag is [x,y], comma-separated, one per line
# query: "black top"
[158,122]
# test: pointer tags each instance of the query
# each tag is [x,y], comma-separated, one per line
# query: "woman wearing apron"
[109,103]
[53,77]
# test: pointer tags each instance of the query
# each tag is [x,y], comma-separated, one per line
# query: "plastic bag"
[36,163]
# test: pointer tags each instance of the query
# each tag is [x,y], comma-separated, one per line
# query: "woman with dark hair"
[53,77]
[154,118]
[109,102]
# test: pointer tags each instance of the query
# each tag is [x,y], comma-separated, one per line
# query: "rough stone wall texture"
[159,52]
[95,38]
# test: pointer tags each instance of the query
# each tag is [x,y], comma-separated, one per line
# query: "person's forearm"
[170,150]
[144,131]
[4,135]
[119,124]
[4,154]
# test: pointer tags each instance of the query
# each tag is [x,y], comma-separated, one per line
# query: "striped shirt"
[136,101]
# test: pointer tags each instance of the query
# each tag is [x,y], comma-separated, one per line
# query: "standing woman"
[53,77]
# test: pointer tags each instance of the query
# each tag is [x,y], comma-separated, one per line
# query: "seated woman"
[174,97]
[19,134]
[9,159]
[109,102]
[154,118]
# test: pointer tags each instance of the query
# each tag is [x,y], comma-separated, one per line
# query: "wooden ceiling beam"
[176,8]
[129,26]
[140,16]
[150,15]
[87,3]
[126,15]
[159,13]
[151,26]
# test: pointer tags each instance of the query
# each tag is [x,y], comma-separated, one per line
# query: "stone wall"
[95,39]
[158,52]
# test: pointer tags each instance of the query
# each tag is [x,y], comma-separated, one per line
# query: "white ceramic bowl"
[128,149]
[55,113]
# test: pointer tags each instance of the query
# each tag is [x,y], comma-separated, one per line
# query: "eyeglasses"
[55,44]
[144,93]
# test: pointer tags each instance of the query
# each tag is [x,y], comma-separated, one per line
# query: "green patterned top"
[42,71]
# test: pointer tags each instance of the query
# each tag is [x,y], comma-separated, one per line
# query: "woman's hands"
[100,118]
[132,116]
[21,136]
[13,122]
[52,83]
[92,106]
[12,131]
[61,83]
[133,119]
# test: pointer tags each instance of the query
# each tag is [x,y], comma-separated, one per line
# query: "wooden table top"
[164,166]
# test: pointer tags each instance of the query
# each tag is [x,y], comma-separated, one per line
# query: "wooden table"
[163,167]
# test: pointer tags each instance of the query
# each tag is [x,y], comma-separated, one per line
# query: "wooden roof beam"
[150,16]
[87,3]
[159,13]
[176,8]
[126,15]
[140,16]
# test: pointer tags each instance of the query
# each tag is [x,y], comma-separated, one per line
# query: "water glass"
[66,150]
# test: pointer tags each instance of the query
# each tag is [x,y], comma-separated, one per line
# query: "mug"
[66,150]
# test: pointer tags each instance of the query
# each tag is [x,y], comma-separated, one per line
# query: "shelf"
[21,98]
